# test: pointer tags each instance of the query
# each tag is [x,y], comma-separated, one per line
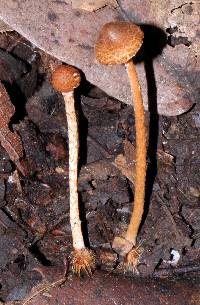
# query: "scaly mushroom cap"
[65,78]
[118,42]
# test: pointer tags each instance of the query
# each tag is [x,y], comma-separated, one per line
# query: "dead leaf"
[11,69]
[10,141]
[129,152]
[126,169]
[91,6]
[175,93]
[4,27]
[16,180]
[165,157]
[30,217]
[126,162]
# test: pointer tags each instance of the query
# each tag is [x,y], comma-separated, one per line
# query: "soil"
[34,208]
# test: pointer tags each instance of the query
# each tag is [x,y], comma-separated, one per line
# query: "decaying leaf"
[125,162]
[165,157]
[92,5]
[57,31]
[10,141]
[4,27]
[129,152]
[16,180]
[11,69]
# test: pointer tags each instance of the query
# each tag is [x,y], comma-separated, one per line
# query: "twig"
[165,272]
[52,285]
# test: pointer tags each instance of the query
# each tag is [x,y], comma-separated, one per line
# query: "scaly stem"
[77,236]
[141,151]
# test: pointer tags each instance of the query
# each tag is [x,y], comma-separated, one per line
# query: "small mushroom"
[118,42]
[65,79]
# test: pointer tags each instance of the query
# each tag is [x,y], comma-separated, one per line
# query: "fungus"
[65,79]
[118,42]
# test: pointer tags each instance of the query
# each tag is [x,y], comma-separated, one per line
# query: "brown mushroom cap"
[118,42]
[65,78]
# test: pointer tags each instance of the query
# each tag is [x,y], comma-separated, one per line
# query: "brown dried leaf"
[16,180]
[126,163]
[126,169]
[165,157]
[175,82]
[129,152]
[29,215]
[91,6]
[10,141]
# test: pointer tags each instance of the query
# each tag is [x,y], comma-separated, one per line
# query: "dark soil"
[34,221]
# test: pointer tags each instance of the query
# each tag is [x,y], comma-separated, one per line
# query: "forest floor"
[35,233]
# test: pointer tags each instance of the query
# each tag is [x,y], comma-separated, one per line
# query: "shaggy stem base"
[132,259]
[83,260]
[130,253]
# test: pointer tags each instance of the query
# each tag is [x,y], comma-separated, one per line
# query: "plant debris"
[5,27]
[168,84]
[92,6]
[100,288]
[9,140]
[125,162]
[35,235]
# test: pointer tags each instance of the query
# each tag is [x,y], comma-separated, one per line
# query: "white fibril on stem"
[77,237]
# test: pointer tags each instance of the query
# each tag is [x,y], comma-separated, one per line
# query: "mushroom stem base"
[132,259]
[129,252]
[83,260]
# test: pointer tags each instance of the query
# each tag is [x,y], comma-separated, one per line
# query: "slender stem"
[141,151]
[77,236]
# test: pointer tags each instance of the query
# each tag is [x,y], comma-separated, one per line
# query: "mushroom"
[118,42]
[65,79]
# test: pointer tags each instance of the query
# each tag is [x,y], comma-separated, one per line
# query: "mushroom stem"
[117,43]
[141,151]
[77,237]
[65,79]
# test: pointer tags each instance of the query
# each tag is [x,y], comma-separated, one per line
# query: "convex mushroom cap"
[65,78]
[118,42]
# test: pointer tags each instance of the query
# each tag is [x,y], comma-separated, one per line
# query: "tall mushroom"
[65,79]
[118,42]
